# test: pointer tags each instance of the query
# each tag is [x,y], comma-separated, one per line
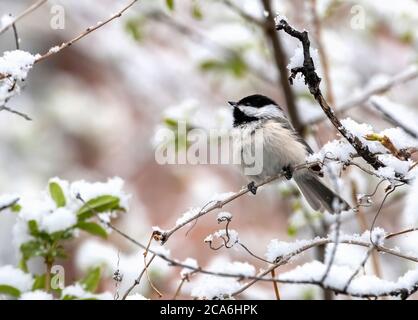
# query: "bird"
[282,150]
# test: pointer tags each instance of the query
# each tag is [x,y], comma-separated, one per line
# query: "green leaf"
[92,228]
[234,64]
[133,28]
[172,123]
[170,4]
[39,283]
[57,194]
[11,291]
[31,249]
[292,231]
[196,11]
[23,265]
[97,205]
[33,228]
[16,208]
[92,279]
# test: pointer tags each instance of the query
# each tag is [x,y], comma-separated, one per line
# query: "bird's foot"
[288,172]
[252,187]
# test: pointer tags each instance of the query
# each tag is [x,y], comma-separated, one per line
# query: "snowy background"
[97,108]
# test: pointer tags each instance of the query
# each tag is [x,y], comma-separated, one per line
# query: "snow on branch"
[15,65]
[11,21]
[57,49]
[217,203]
[8,201]
[310,273]
[313,82]
[392,147]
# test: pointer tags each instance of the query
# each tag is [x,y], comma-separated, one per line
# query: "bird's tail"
[318,195]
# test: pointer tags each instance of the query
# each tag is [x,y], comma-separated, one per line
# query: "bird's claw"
[288,172]
[252,187]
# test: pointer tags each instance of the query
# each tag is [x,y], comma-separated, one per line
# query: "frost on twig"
[8,201]
[313,82]
[360,286]
[390,147]
[14,68]
[229,238]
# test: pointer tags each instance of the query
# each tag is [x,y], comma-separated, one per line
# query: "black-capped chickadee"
[283,149]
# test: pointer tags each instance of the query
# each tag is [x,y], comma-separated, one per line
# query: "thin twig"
[281,261]
[246,16]
[163,236]
[361,218]
[337,231]
[361,266]
[313,82]
[322,52]
[395,234]
[85,33]
[359,99]
[150,281]
[393,120]
[211,45]
[30,9]
[280,59]
[178,290]
[16,36]
[275,286]
[391,190]
[138,279]
[9,205]
[20,114]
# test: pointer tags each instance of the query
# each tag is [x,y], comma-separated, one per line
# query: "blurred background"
[97,108]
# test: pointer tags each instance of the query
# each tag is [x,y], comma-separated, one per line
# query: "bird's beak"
[232,104]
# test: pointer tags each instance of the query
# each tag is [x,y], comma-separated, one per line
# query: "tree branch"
[283,260]
[30,9]
[322,53]
[402,77]
[164,235]
[85,33]
[313,82]
[280,60]
[244,14]
[393,120]
[9,205]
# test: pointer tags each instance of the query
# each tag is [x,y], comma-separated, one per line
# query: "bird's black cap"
[256,101]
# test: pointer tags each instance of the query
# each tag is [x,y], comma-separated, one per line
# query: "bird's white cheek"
[267,112]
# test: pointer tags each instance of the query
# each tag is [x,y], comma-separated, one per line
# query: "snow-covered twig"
[283,260]
[8,204]
[395,121]
[313,82]
[85,33]
[29,10]
[164,235]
